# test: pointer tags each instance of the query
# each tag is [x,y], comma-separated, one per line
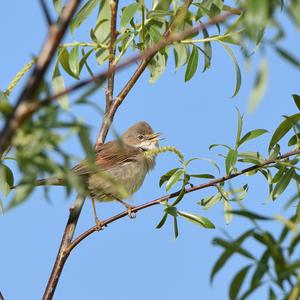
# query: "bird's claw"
[131,214]
[99,225]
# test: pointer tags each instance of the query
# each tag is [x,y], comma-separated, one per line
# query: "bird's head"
[141,135]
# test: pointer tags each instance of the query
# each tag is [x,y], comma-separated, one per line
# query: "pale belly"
[120,182]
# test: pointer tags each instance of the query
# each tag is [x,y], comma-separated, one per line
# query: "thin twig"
[46,12]
[210,183]
[1,296]
[19,114]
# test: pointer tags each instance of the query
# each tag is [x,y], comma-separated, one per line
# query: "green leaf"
[294,140]
[173,179]
[233,246]
[252,135]
[83,13]
[296,100]
[86,143]
[64,59]
[230,160]
[199,220]
[288,56]
[283,183]
[180,55]
[171,210]
[74,61]
[21,193]
[207,51]
[208,202]
[192,64]
[272,295]
[294,243]
[261,269]
[128,13]
[157,66]
[175,228]
[167,176]
[227,254]
[155,35]
[6,179]
[58,85]
[162,221]
[236,68]
[227,211]
[260,85]
[237,282]
[283,129]
[251,215]
[57,5]
[207,176]
[239,131]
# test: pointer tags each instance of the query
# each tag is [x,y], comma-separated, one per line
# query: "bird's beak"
[155,137]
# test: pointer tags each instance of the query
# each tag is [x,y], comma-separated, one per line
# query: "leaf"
[237,282]
[157,66]
[173,179]
[74,61]
[252,135]
[21,193]
[207,176]
[57,5]
[6,179]
[294,140]
[86,143]
[233,246]
[261,269]
[154,34]
[83,13]
[199,220]
[283,183]
[288,56]
[259,89]
[296,100]
[236,68]
[64,59]
[208,202]
[251,215]
[128,13]
[207,51]
[213,163]
[294,243]
[192,64]
[175,228]
[227,254]
[283,129]
[227,211]
[180,55]
[239,131]
[230,160]
[166,176]
[162,221]
[58,85]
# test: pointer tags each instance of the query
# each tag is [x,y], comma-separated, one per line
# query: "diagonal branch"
[46,12]
[55,34]
[210,183]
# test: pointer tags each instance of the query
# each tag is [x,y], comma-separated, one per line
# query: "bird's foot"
[130,212]
[99,225]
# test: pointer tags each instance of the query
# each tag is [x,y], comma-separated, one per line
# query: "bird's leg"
[99,224]
[129,208]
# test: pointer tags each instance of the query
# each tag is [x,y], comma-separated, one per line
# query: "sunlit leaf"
[239,130]
[192,64]
[251,215]
[162,221]
[128,13]
[173,179]
[180,55]
[230,160]
[283,183]
[208,202]
[199,220]
[252,135]
[58,85]
[227,211]
[167,176]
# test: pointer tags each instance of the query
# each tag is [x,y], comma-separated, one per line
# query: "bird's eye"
[140,137]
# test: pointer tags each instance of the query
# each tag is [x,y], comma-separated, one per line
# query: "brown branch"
[19,114]
[46,12]
[62,254]
[1,296]
[210,183]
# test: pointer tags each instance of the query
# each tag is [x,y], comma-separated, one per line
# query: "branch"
[20,112]
[46,12]
[176,194]
[1,296]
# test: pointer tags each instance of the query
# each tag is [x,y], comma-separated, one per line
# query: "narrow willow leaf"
[283,183]
[171,210]
[83,60]
[251,215]
[64,59]
[252,135]
[58,86]
[167,176]
[74,60]
[230,160]
[162,221]
[294,243]
[227,211]
[236,67]
[227,254]
[207,51]
[233,246]
[294,140]
[21,193]
[239,130]
[237,282]
[283,129]
[155,35]
[261,268]
[157,66]
[207,176]
[180,55]
[176,232]
[213,163]
[296,100]
[6,179]
[272,295]
[260,85]
[173,179]
[199,220]
[219,145]
[208,202]
[83,13]
[288,56]
[192,64]
[86,143]
[128,13]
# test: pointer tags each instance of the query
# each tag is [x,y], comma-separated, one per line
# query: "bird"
[119,167]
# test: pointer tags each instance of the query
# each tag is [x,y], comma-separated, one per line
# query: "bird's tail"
[46,181]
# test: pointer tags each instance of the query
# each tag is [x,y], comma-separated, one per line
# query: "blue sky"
[131,259]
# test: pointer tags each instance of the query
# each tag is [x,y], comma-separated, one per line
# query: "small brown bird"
[120,166]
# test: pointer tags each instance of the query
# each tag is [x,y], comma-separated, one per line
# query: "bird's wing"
[107,156]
